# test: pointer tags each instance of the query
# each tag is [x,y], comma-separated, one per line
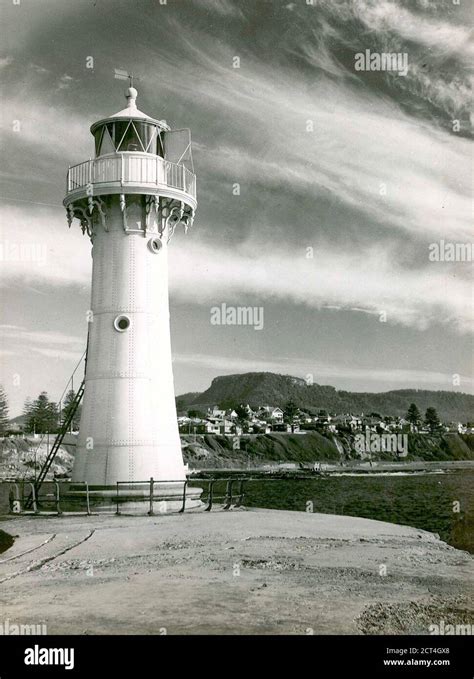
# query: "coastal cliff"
[213,452]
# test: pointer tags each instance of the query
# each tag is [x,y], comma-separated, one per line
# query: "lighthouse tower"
[129,200]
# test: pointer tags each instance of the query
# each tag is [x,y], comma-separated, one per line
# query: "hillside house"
[212,426]
[222,426]
[271,414]
[216,412]
[352,422]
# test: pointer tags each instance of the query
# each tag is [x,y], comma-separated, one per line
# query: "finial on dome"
[131,95]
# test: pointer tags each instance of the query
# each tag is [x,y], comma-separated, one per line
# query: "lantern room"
[129,130]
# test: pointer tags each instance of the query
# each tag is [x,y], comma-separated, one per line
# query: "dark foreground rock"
[6,541]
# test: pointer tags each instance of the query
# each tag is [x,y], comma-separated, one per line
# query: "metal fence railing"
[27,497]
[53,497]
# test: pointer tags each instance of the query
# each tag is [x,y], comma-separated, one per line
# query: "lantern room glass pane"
[98,139]
[147,134]
[126,137]
[106,143]
[160,147]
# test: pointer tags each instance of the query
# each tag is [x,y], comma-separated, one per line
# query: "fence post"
[151,512]
[228,494]
[88,500]
[58,507]
[240,495]
[210,495]
[33,496]
[184,497]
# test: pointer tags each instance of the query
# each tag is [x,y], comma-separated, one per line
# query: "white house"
[212,427]
[216,412]
[271,413]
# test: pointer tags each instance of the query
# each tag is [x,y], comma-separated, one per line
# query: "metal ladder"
[56,445]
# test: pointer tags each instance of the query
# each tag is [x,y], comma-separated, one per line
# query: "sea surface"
[442,503]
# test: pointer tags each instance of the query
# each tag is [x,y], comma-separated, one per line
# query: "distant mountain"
[272,389]
[185,400]
[18,421]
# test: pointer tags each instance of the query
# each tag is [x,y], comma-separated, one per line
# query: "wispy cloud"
[59,354]
[39,69]
[5,61]
[369,280]
[384,16]
[65,81]
[37,247]
[372,278]
[7,352]
[57,345]
[438,45]
[18,333]
[402,173]
[62,136]
[227,8]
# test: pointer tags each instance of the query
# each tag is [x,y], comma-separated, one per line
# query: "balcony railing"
[131,169]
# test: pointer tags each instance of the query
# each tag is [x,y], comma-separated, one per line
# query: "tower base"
[135,498]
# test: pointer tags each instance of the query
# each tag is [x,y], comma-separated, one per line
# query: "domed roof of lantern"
[131,112]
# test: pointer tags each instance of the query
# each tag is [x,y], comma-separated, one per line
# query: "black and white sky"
[362,169]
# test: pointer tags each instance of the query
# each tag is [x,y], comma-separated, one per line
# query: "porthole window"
[122,323]
[155,245]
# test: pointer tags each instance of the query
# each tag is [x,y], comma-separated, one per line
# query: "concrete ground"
[235,572]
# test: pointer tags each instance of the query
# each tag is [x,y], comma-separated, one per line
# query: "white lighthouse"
[129,200]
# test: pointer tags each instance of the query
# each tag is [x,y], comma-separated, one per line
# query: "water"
[427,501]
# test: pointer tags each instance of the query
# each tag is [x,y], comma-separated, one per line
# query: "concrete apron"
[167,498]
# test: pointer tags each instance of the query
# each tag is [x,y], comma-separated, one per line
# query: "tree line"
[42,415]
